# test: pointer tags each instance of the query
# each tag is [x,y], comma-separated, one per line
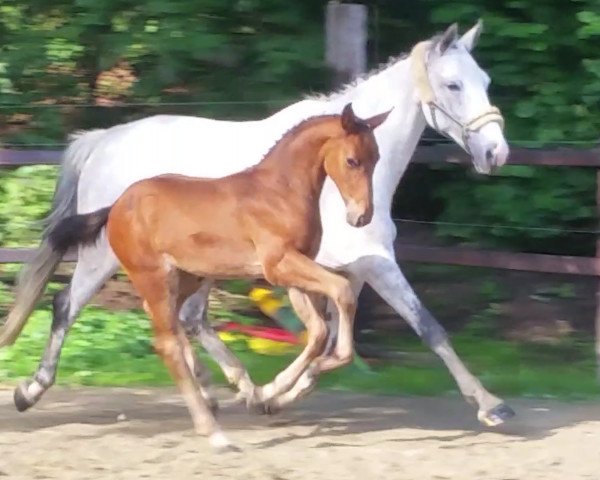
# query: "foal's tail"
[34,276]
[78,230]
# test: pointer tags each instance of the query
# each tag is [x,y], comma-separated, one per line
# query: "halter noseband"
[427,97]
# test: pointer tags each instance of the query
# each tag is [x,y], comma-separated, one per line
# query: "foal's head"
[350,159]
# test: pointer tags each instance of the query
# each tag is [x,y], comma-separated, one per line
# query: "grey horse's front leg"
[387,280]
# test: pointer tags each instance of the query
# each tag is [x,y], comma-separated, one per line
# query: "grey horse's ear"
[470,38]
[447,39]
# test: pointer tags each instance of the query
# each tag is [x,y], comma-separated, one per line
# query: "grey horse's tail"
[78,230]
[34,276]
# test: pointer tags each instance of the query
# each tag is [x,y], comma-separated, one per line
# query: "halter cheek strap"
[427,97]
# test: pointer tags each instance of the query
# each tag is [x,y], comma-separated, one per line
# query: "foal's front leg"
[298,271]
[308,380]
[316,329]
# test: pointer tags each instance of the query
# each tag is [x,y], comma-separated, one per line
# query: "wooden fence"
[589,266]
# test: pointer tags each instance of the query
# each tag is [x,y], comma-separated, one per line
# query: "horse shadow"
[329,416]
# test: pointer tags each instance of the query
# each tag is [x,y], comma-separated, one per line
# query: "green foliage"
[114,348]
[545,68]
[493,291]
[115,343]
[105,51]
[25,197]
[548,202]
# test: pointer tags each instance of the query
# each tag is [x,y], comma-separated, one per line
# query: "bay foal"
[169,231]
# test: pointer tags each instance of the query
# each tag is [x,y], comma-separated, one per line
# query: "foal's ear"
[378,119]
[349,120]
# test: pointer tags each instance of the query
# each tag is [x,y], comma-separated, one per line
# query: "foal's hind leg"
[96,264]
[157,284]
[188,285]
[193,314]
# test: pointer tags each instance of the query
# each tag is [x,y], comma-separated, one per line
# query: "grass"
[114,349]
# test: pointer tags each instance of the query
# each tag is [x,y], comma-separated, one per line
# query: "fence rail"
[432,154]
[469,257]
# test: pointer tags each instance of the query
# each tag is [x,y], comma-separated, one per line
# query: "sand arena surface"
[146,433]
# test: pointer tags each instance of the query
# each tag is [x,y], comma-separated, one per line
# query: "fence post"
[346,55]
[597,323]
[346,40]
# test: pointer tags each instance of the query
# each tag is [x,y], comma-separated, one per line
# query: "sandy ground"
[81,433]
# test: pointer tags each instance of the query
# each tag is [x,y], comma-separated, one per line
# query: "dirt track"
[76,434]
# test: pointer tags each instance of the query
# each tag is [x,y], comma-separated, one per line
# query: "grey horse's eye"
[453,86]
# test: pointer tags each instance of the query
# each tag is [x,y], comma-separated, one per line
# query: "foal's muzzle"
[358,215]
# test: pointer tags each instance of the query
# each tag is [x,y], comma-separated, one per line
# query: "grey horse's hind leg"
[387,280]
[95,266]
[194,315]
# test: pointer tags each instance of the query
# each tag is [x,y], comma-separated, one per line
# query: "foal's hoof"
[256,408]
[496,416]
[221,443]
[23,400]
[263,408]
[271,408]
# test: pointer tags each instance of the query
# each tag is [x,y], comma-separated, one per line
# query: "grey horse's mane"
[358,80]
[362,78]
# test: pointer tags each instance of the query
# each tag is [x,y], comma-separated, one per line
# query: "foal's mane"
[296,129]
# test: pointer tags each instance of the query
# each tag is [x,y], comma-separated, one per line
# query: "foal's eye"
[453,86]
[352,163]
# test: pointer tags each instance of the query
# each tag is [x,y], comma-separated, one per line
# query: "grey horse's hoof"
[496,416]
[214,407]
[21,397]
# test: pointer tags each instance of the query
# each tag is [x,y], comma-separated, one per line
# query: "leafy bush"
[545,68]
[102,53]
[552,204]
[25,198]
